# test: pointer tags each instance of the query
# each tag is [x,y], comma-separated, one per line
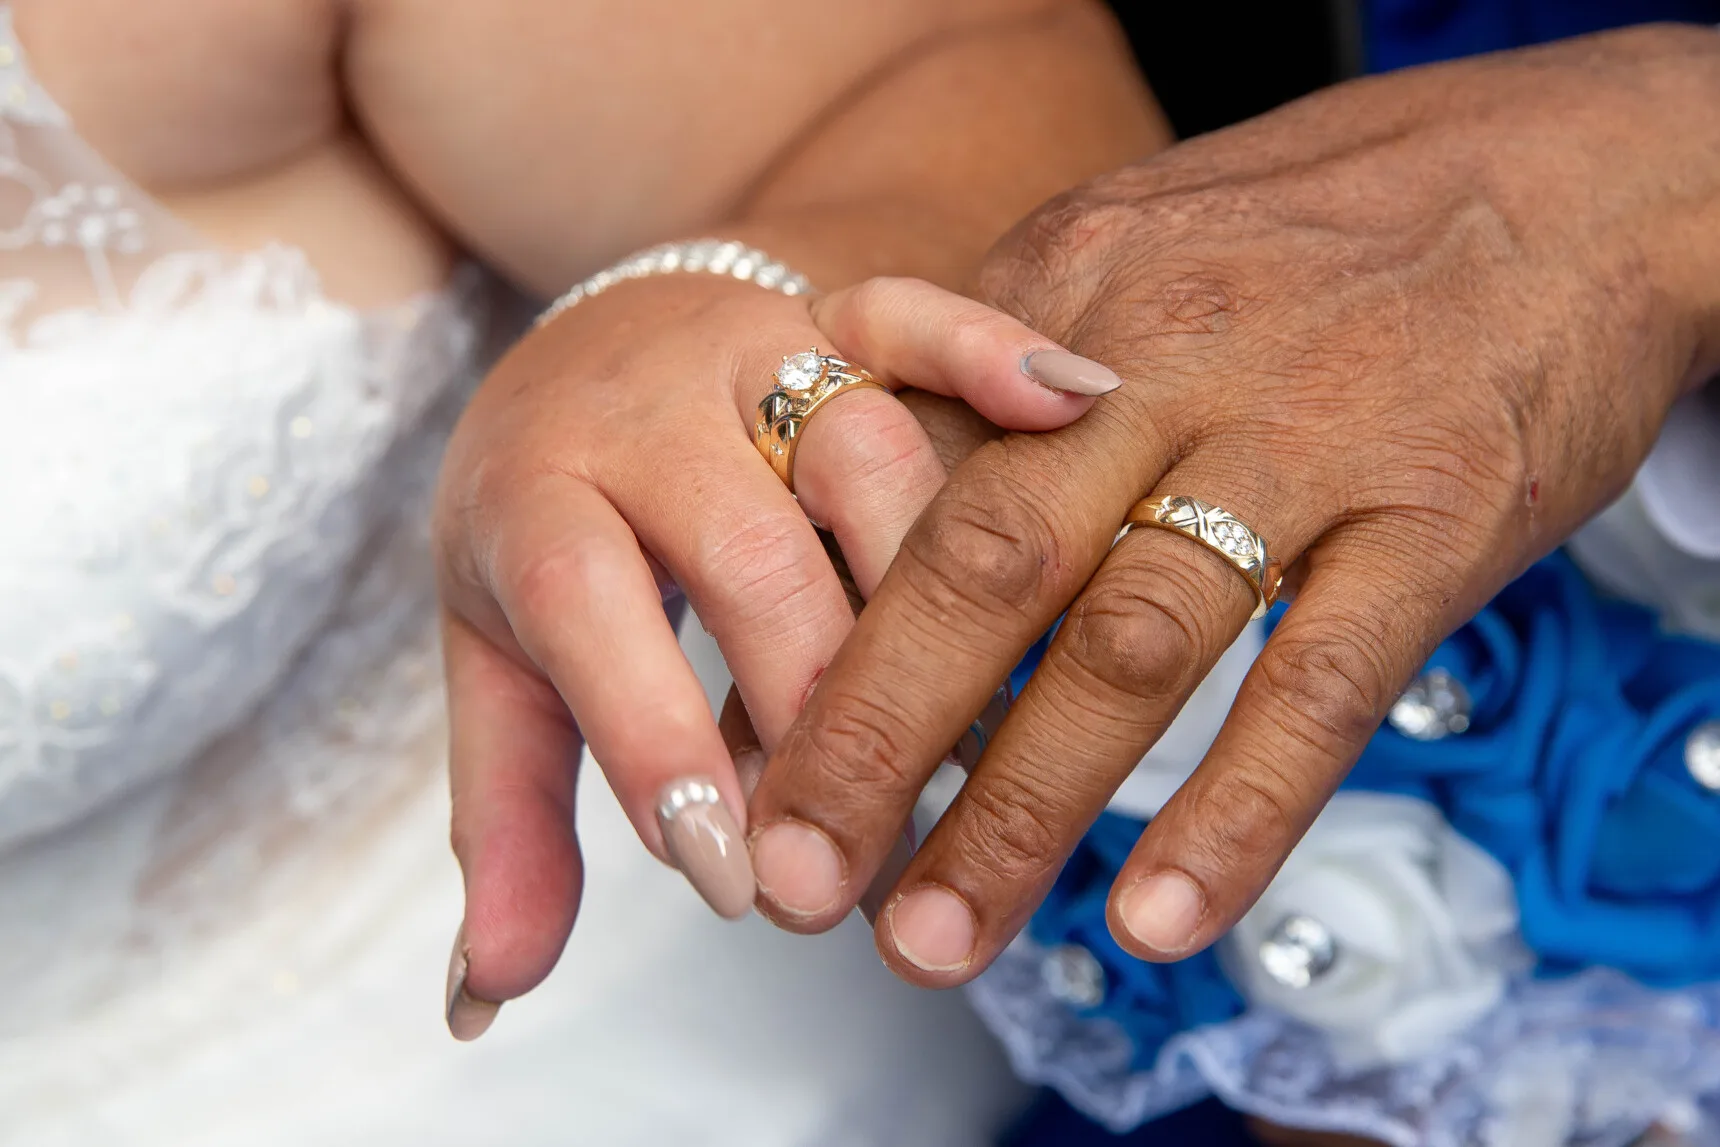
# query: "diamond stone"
[801,371]
[1234,539]
[1702,755]
[1072,976]
[1435,706]
[1299,951]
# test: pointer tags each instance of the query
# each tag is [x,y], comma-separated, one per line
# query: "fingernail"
[749,769]
[798,868]
[1163,912]
[468,1017]
[885,882]
[704,843]
[933,929]
[1069,373]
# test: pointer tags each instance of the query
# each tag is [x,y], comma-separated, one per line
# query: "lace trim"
[1591,1061]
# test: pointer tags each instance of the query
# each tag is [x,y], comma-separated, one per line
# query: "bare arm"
[851,138]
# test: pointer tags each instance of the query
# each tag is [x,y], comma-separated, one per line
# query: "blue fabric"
[1051,1122]
[1400,33]
[1152,1002]
[1575,778]
[1572,774]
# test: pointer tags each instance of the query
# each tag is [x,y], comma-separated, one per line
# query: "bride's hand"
[610,451]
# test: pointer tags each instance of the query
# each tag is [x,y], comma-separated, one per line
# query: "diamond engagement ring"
[1219,531]
[804,383]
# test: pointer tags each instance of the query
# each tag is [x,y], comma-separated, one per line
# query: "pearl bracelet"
[693,256]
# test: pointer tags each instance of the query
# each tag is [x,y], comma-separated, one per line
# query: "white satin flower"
[1421,925]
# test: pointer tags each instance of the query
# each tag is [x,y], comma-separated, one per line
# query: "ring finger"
[1154,619]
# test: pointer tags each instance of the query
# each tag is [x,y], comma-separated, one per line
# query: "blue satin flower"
[1572,773]
[1630,871]
[1151,1002]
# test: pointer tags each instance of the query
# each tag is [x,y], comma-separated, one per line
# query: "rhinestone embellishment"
[800,372]
[679,796]
[1435,706]
[1234,539]
[1702,755]
[1299,951]
[1072,976]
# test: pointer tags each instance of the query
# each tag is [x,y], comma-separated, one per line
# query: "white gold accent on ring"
[694,256]
[804,383]
[1218,530]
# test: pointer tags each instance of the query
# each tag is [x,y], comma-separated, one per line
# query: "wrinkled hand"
[608,453]
[1413,331]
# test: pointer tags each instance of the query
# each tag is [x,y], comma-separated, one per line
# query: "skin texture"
[849,138]
[1414,330]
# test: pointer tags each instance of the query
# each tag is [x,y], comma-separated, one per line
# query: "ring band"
[1219,531]
[804,383]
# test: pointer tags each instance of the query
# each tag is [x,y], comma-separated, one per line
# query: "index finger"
[999,553]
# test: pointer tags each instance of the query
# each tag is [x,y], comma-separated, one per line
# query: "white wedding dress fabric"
[226,896]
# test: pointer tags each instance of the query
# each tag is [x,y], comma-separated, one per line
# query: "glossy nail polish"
[706,845]
[468,1017]
[1069,373]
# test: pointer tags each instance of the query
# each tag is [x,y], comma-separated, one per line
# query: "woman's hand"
[1413,331]
[608,453]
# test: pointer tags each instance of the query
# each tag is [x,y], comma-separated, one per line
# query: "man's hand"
[1413,330]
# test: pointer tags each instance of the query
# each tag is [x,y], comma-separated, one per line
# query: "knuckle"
[1248,822]
[1009,834]
[858,746]
[983,544]
[1332,688]
[1143,635]
[868,305]
[535,585]
[759,565]
[1054,250]
[877,443]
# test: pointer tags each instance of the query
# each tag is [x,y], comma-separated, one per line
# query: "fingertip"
[1159,916]
[523,888]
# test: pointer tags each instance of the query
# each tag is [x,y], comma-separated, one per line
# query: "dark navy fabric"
[1399,33]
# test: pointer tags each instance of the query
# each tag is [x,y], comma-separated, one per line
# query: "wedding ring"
[1219,531]
[804,383]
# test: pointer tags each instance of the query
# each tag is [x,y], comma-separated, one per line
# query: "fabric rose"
[1626,871]
[1385,929]
[1573,774]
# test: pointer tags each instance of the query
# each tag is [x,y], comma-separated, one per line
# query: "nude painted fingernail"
[1163,912]
[933,929]
[704,843]
[798,868]
[749,770]
[1069,373]
[885,882]
[468,1017]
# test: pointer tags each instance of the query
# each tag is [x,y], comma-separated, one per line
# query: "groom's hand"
[1413,331]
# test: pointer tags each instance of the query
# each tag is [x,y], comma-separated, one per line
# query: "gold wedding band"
[1219,531]
[804,383]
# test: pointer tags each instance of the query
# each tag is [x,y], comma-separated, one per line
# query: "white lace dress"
[225,889]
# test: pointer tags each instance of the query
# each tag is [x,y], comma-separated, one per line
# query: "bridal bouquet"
[1505,928]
